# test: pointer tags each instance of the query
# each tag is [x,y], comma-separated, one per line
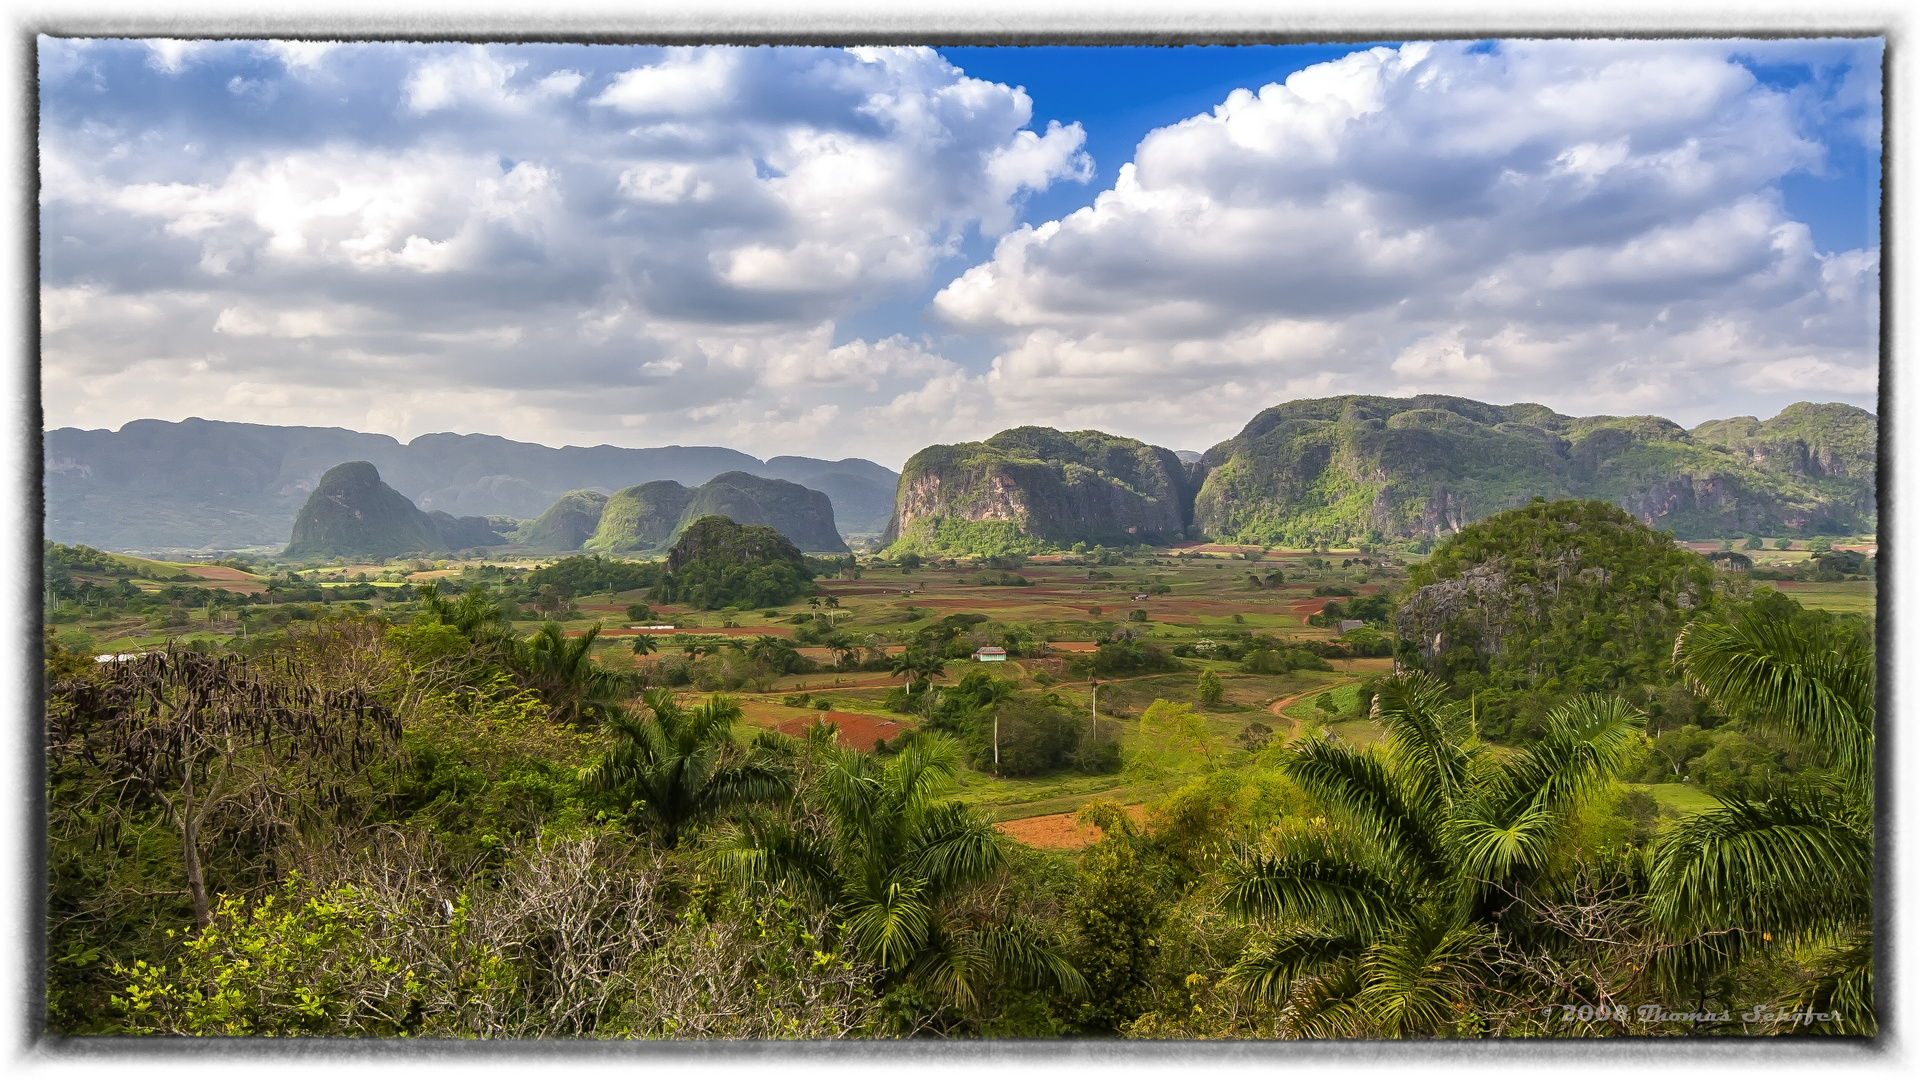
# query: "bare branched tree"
[272,737]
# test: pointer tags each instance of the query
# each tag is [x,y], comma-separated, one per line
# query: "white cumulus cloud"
[1595,225]
[561,243]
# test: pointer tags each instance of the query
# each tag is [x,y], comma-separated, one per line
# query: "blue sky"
[860,252]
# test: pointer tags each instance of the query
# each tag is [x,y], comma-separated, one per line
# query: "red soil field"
[1073,646]
[858,731]
[226,577]
[1059,832]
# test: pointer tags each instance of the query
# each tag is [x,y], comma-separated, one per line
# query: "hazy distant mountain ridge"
[211,484]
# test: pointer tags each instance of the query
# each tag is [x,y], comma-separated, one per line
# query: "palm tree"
[476,614]
[897,859]
[1796,866]
[931,668]
[562,670]
[907,664]
[1374,915]
[680,766]
[643,645]
[841,646]
[989,697]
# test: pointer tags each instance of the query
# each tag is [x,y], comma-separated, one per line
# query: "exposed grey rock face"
[1041,485]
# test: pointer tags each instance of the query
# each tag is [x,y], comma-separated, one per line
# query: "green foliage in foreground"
[524,842]
[1794,867]
[1375,921]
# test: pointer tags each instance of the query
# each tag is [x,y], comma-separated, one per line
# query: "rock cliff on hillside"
[1565,596]
[1031,488]
[566,525]
[352,512]
[1358,466]
[649,517]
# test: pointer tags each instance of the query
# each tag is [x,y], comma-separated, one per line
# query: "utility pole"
[1093,725]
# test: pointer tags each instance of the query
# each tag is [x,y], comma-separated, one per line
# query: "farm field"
[1068,607]
[1839,597]
[1186,595]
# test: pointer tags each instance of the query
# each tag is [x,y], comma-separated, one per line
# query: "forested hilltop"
[1562,769]
[1373,470]
[1333,470]
[1372,467]
[1034,488]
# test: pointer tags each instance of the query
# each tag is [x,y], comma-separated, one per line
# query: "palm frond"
[889,924]
[1024,955]
[1783,865]
[1427,735]
[1816,685]
[924,768]
[851,788]
[1840,987]
[1587,740]
[760,850]
[955,966]
[1417,976]
[954,846]
[1493,840]
[753,780]
[1271,964]
[1359,789]
[1328,1005]
[1313,880]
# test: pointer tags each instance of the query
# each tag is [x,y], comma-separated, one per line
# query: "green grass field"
[1839,597]
[1677,798]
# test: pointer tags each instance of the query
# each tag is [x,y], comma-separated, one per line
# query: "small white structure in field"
[1139,596]
[986,653]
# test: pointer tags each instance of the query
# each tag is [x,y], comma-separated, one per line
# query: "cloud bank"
[1592,225]
[649,245]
